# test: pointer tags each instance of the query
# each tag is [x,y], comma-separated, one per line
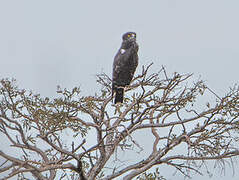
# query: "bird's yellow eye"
[129,35]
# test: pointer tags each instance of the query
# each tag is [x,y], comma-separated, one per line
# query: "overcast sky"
[53,42]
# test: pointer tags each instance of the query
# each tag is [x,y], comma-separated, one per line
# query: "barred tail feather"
[119,96]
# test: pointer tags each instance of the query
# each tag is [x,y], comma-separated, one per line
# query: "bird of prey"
[124,66]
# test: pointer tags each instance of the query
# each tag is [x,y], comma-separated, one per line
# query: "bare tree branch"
[52,135]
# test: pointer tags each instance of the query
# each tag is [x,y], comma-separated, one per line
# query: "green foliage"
[165,106]
[151,176]
[44,114]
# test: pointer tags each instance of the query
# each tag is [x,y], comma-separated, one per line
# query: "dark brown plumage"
[124,66]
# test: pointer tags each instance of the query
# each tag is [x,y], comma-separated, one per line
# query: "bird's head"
[129,37]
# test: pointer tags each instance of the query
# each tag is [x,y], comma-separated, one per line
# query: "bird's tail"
[119,95]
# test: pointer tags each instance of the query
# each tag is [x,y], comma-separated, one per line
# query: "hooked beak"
[132,38]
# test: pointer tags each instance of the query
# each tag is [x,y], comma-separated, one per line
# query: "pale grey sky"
[54,42]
